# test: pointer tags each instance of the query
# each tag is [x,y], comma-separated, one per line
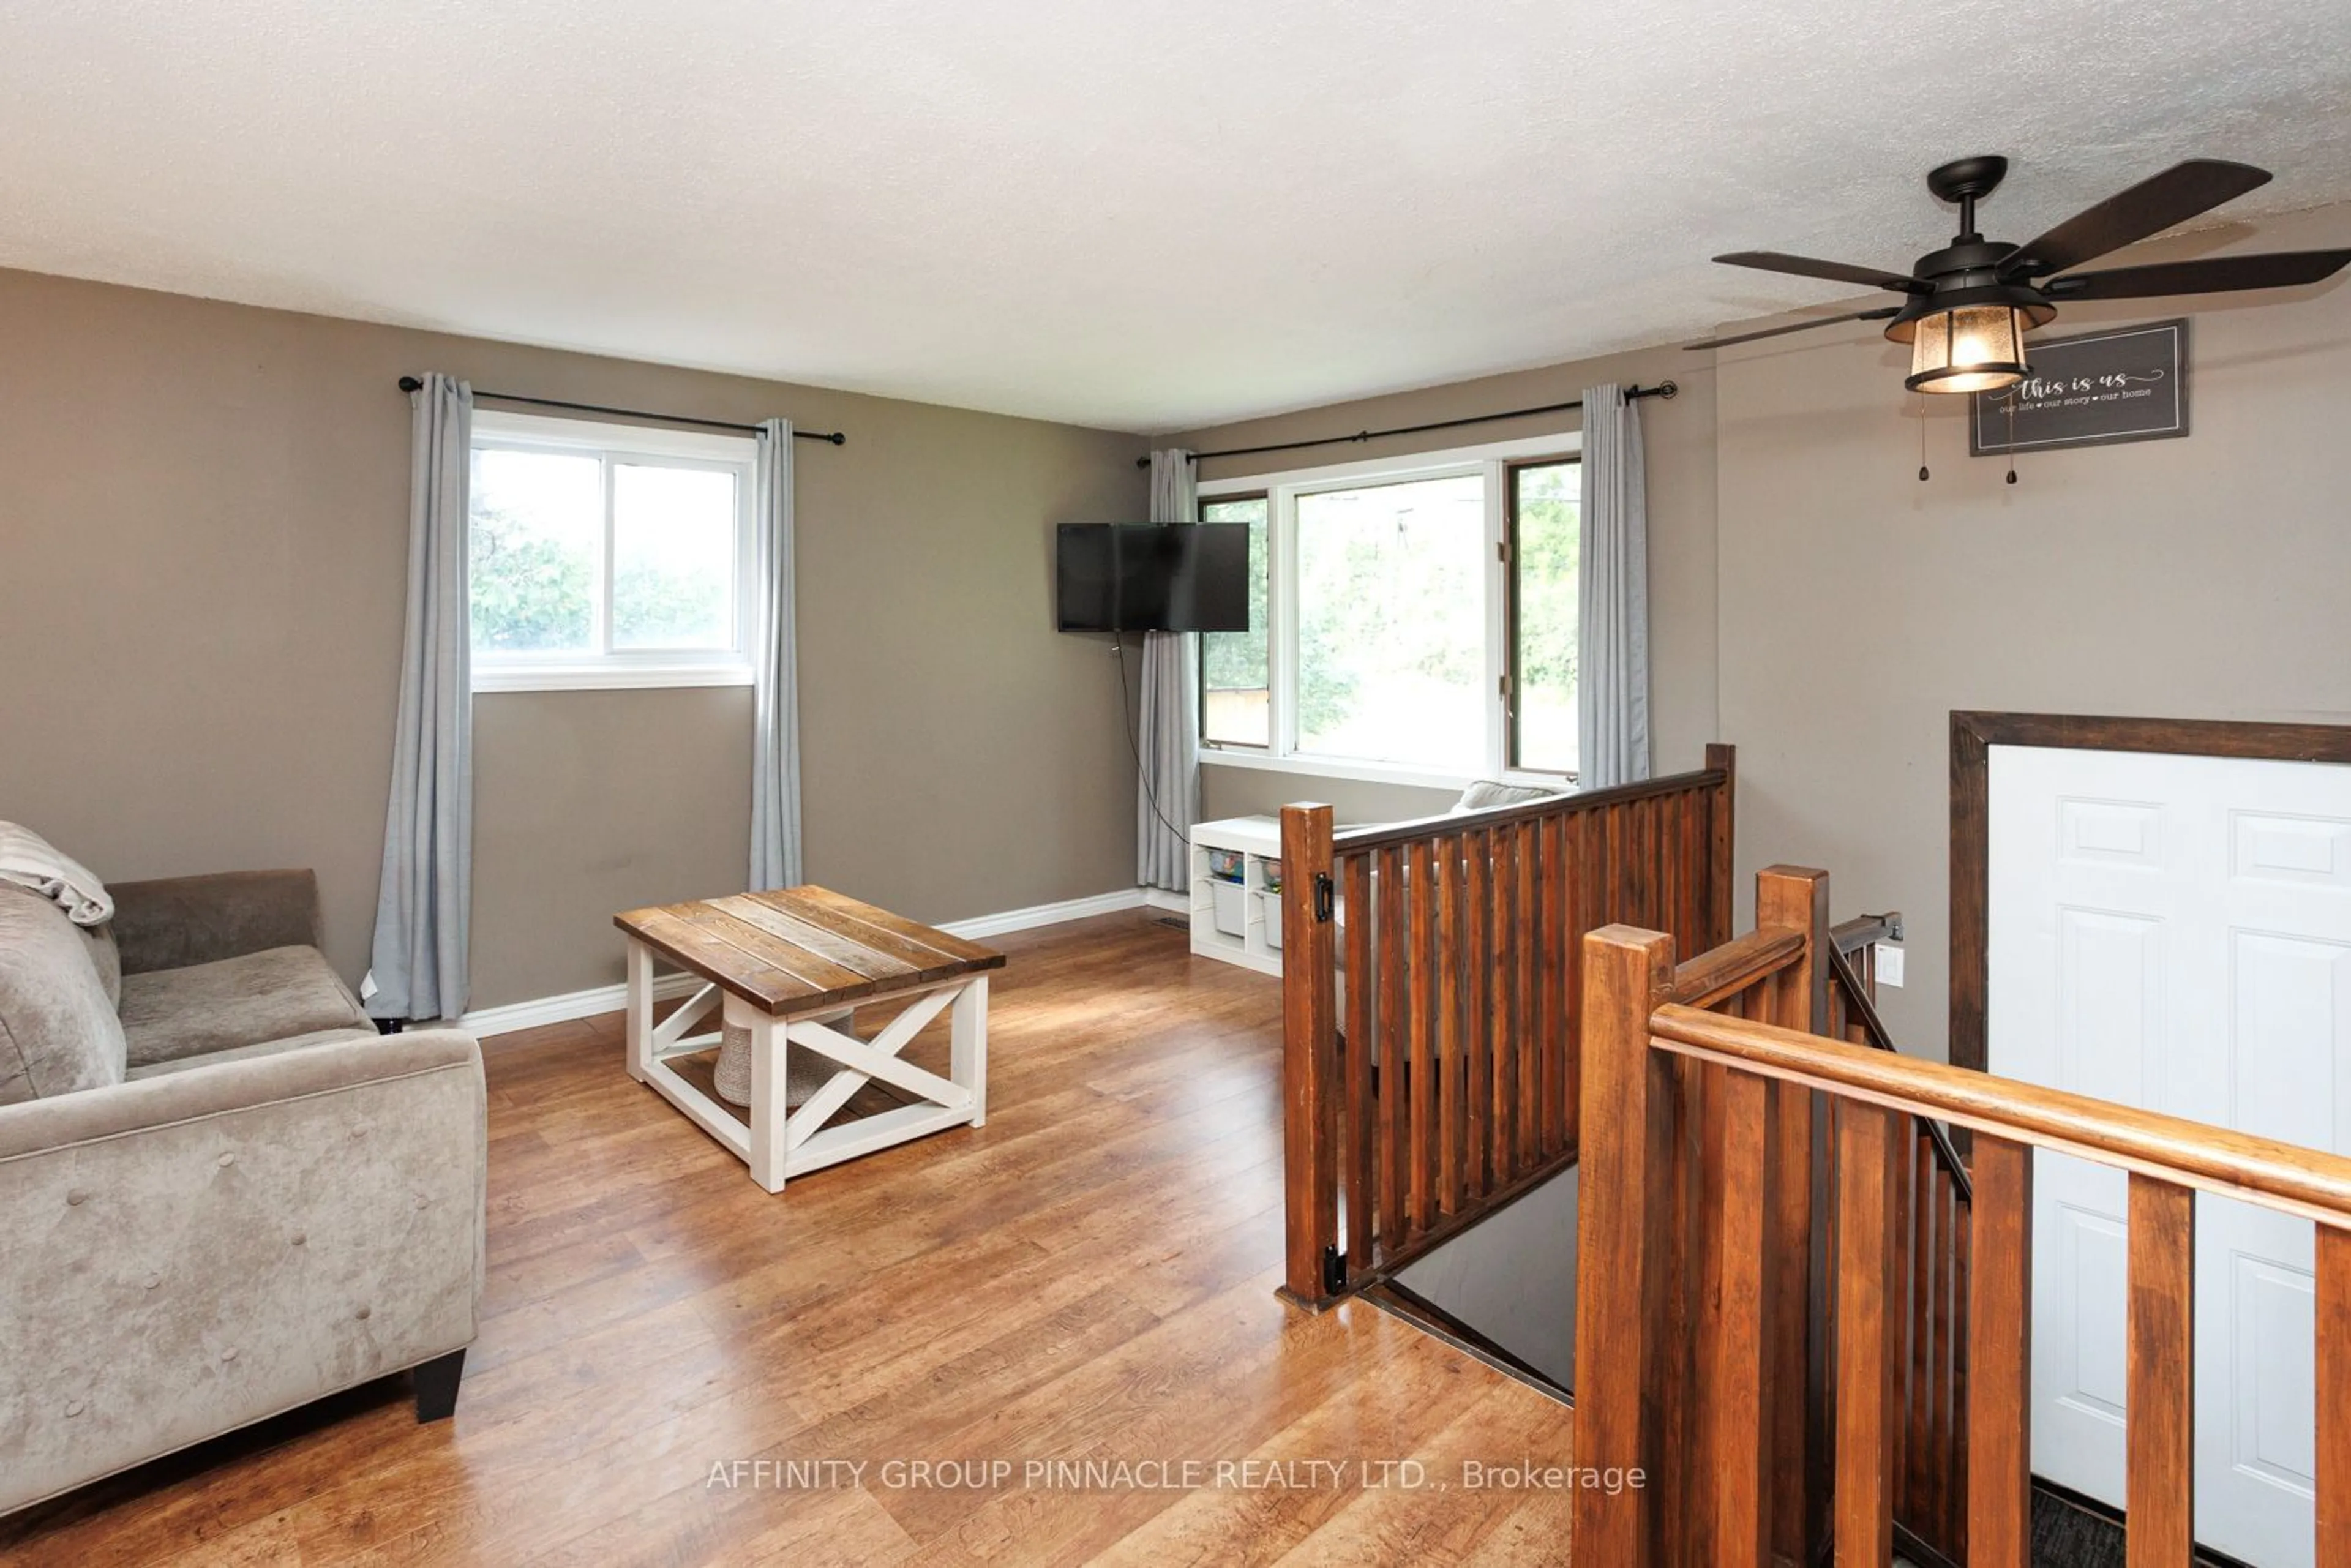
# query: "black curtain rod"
[1665,389]
[410,384]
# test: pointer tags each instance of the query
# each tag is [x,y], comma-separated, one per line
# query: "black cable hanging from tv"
[1665,389]
[832,437]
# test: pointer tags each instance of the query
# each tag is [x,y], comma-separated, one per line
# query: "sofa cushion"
[249,1052]
[1488,793]
[279,992]
[57,1029]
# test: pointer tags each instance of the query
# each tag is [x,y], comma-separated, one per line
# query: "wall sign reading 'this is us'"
[2127,384]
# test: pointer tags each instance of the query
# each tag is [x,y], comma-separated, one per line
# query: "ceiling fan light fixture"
[1974,347]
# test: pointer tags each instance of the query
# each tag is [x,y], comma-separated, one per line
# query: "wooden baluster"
[1310,1068]
[1868,1148]
[1898,1309]
[1702,1192]
[1925,1236]
[1501,1011]
[1493,1114]
[2333,1397]
[1462,1117]
[1615,861]
[1583,891]
[1937,1391]
[1551,943]
[1689,842]
[1363,1042]
[1620,1220]
[1526,1010]
[1427,959]
[1737,1351]
[1647,863]
[1396,1087]
[2000,1354]
[2160,1427]
[1787,896]
[1955,1404]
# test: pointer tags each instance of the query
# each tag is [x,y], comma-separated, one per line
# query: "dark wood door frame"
[1973,734]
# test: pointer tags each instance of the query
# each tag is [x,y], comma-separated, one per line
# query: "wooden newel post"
[1724,816]
[1310,1057]
[1623,1377]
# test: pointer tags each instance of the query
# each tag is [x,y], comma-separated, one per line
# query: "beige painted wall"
[2196,578]
[1680,441]
[203,524]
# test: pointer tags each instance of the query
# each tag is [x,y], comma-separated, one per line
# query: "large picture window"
[1411,619]
[605,555]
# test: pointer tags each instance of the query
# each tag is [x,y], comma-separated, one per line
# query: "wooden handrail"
[1851,935]
[2305,1182]
[1381,835]
[1732,967]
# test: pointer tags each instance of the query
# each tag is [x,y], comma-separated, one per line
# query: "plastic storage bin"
[1232,906]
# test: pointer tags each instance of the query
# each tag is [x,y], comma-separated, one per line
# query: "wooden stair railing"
[1429,967]
[1703,1419]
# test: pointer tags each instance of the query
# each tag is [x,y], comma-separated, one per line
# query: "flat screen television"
[1140,577]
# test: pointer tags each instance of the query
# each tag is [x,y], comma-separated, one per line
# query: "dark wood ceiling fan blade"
[1798,327]
[1834,271]
[2216,275]
[2150,208]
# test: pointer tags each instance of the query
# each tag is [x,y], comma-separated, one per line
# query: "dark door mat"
[2068,1532]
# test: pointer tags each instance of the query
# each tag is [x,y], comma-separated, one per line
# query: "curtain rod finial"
[410,384]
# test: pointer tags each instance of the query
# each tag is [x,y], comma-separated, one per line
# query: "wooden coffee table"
[788,966]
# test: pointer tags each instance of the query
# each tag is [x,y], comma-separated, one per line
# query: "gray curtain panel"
[776,699]
[1612,686]
[1171,713]
[424,902]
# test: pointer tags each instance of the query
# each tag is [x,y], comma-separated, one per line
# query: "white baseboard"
[611,999]
[571,1005]
[1162,898]
[1044,914]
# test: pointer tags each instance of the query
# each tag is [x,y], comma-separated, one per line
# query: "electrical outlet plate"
[1889,964]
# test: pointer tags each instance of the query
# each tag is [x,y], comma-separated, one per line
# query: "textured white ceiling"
[1144,214]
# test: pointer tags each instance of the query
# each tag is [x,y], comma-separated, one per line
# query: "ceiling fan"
[1969,304]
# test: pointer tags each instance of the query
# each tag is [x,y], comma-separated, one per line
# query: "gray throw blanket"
[28,859]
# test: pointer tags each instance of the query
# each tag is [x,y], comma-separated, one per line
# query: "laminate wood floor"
[1088,1279]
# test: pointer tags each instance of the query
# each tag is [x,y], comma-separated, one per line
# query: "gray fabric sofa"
[222,1192]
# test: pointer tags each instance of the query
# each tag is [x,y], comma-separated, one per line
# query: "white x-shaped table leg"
[863,1061]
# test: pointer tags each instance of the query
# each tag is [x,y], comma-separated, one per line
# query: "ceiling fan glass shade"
[1975,348]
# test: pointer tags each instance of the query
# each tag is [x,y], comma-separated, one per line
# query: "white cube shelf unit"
[1238,922]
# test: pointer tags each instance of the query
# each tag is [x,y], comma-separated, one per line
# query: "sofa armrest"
[183,919]
[187,1254]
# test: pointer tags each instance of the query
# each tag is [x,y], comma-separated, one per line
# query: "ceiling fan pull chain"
[2011,434]
[1922,440]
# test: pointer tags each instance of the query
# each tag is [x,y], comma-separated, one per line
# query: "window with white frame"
[1412,619]
[607,555]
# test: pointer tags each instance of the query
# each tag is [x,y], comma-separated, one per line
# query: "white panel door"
[2175,932]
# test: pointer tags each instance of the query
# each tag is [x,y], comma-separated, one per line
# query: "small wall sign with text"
[2128,384]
